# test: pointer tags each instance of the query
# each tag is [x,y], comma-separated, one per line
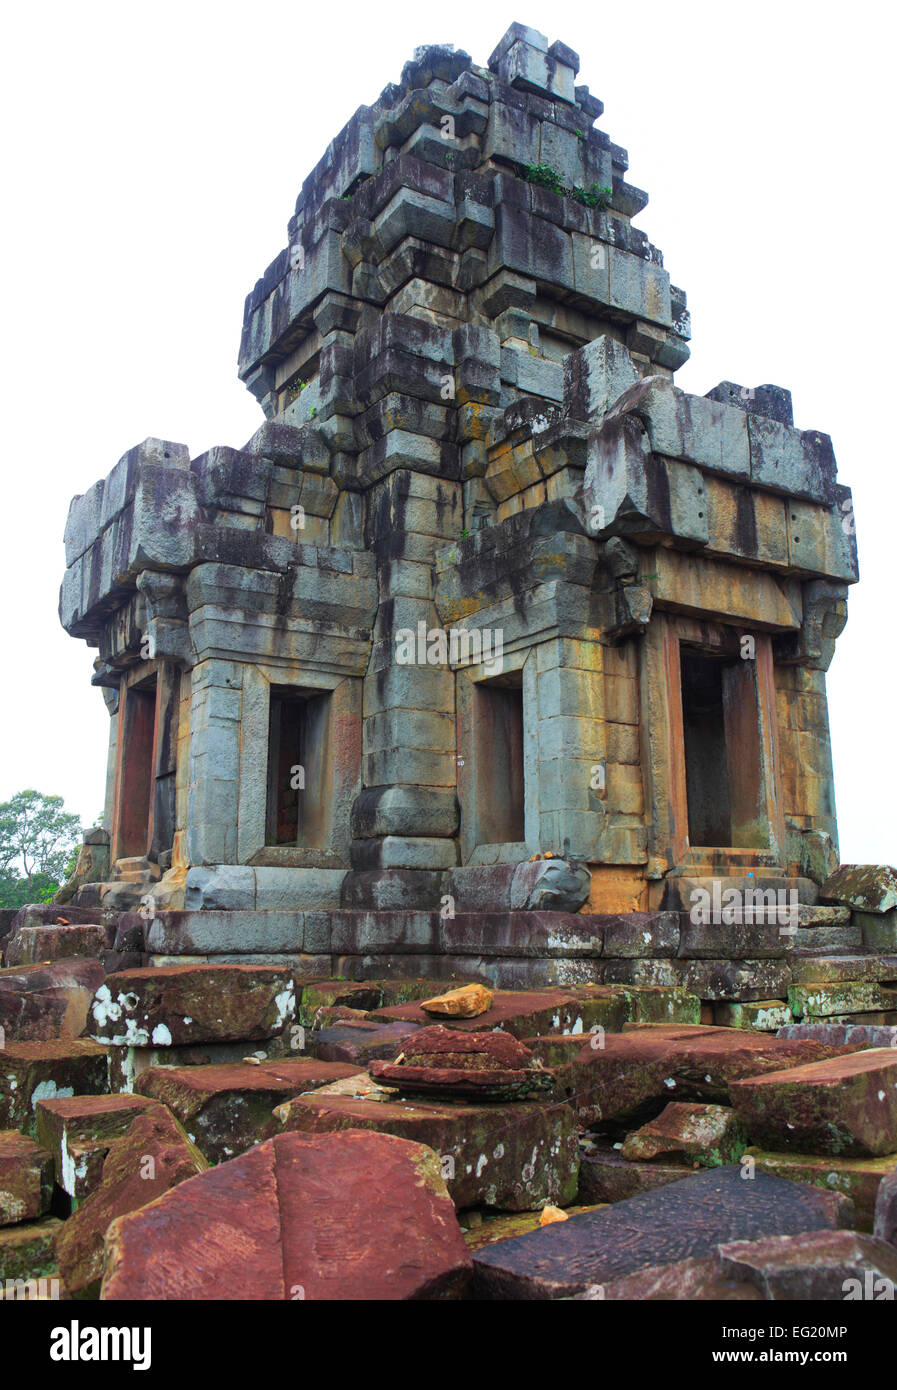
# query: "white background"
[153,156]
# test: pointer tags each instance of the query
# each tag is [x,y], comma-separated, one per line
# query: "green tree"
[37,840]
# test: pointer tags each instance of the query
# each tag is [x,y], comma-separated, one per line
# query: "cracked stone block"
[78,1132]
[26,1178]
[35,1071]
[517,1157]
[708,1136]
[153,1156]
[841,1105]
[300,1206]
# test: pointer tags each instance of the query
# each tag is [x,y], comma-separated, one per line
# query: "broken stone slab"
[180,1004]
[477,1066]
[682,1220]
[853,997]
[26,1178]
[46,1001]
[299,1208]
[708,1136]
[885,1214]
[467,1002]
[526,1013]
[634,934]
[227,1109]
[153,1156]
[859,1179]
[358,1041]
[28,1250]
[34,1071]
[866,887]
[606,1176]
[623,1079]
[38,945]
[78,1132]
[516,1157]
[127,1063]
[838,1034]
[836,1266]
[761,1016]
[841,1105]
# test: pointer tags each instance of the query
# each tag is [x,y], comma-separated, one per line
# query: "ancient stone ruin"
[493,659]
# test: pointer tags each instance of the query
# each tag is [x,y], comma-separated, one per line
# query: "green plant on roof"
[295,389]
[546,176]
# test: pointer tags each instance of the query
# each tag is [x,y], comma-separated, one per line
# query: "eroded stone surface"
[706,1135]
[683,1220]
[300,1209]
[34,1071]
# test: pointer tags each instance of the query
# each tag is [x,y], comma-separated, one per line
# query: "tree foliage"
[38,839]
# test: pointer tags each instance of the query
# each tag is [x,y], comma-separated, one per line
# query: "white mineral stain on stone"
[670,1082]
[498,1151]
[286,1003]
[881,1095]
[482,1162]
[161,1036]
[188,1020]
[46,1090]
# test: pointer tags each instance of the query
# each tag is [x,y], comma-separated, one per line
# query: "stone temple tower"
[489,623]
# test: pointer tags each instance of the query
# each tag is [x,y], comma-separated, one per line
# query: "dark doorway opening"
[135,801]
[723,751]
[500,784]
[299,755]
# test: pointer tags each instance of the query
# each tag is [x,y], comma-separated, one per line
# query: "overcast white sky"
[153,156]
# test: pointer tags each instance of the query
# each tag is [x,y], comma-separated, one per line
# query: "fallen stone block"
[146,1162]
[32,945]
[358,1041]
[28,1251]
[323,1216]
[605,1176]
[516,1157]
[838,1266]
[659,1004]
[841,1105]
[475,1066]
[867,887]
[885,1215]
[42,1002]
[317,997]
[127,1063]
[26,1178]
[78,1132]
[708,1136]
[860,1179]
[626,1078]
[227,1109]
[179,1004]
[878,930]
[838,967]
[525,1013]
[33,1071]
[682,1220]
